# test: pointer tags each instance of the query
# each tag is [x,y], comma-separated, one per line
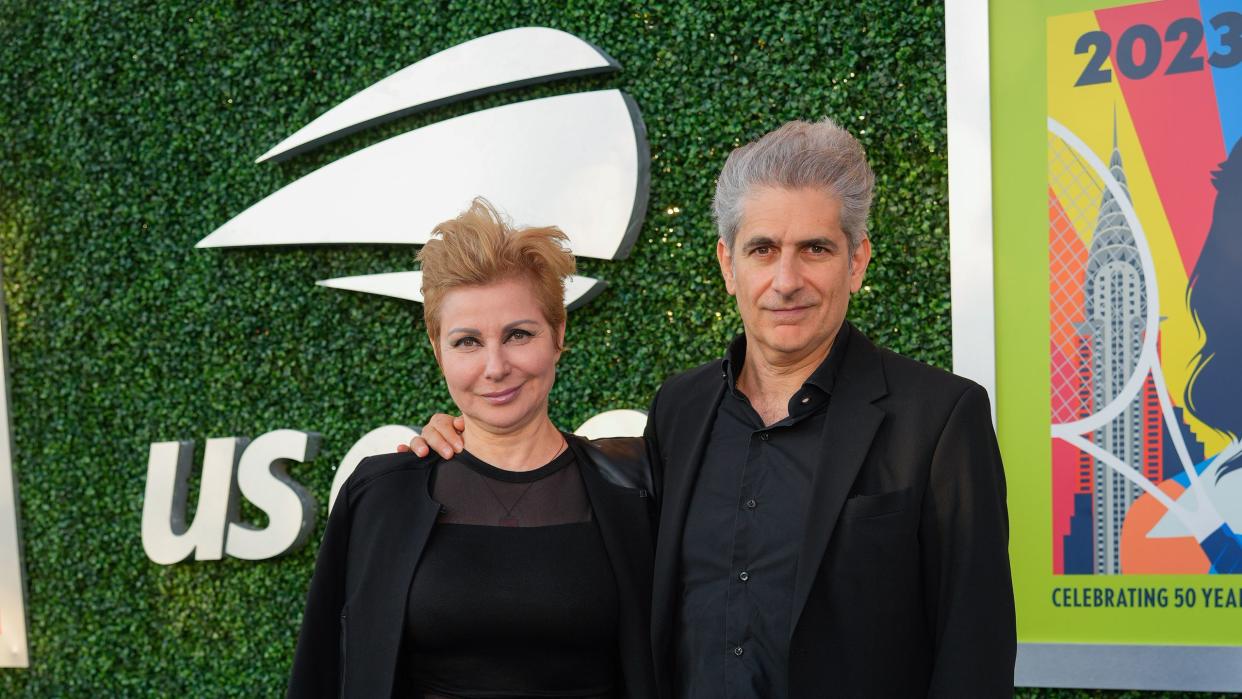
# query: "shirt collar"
[823,378]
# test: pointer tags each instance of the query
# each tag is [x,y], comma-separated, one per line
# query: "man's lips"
[788,311]
[502,397]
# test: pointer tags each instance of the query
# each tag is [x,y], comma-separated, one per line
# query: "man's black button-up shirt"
[743,532]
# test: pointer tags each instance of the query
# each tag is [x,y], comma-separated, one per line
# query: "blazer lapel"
[613,509]
[685,442]
[624,525]
[851,425]
[396,545]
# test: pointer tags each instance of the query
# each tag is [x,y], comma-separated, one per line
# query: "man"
[833,518]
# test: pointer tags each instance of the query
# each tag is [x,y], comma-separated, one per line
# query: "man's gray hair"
[798,155]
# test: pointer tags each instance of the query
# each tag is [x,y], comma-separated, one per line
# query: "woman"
[1216,379]
[519,567]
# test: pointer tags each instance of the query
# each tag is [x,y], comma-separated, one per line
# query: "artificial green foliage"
[129,133]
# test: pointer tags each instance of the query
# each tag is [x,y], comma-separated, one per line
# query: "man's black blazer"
[903,586]
[351,633]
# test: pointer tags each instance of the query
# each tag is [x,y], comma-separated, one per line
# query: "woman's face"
[498,354]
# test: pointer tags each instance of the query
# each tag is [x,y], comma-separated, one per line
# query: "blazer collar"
[850,427]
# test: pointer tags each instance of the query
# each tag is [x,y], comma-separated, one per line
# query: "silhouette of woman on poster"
[1214,393]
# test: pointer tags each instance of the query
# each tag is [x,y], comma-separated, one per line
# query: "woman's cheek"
[459,372]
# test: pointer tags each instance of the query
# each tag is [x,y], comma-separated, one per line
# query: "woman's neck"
[525,448]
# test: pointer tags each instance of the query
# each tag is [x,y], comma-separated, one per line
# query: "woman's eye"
[521,335]
[466,342]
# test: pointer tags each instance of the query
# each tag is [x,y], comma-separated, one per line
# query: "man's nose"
[787,277]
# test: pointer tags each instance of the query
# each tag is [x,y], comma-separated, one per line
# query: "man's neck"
[769,379]
[522,449]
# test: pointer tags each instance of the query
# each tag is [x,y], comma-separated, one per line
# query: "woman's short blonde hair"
[482,247]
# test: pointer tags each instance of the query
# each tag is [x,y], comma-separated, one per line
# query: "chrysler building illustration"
[1116,306]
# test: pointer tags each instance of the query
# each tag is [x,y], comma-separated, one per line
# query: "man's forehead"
[781,210]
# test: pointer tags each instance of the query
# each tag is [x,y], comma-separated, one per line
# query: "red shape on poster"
[1177,121]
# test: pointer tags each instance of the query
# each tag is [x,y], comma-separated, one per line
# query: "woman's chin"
[501,419]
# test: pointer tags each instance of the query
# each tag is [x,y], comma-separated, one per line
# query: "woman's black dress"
[514,595]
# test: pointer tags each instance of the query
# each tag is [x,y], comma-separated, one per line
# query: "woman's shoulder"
[623,461]
[382,467]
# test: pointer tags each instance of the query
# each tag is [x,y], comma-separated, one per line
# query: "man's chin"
[794,340]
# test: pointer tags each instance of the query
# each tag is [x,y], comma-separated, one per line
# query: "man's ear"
[725,257]
[858,264]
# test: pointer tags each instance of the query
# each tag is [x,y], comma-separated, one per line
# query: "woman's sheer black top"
[514,595]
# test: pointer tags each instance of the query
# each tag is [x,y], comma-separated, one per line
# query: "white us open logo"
[579,161]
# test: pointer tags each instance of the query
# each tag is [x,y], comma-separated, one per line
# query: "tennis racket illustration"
[1082,417]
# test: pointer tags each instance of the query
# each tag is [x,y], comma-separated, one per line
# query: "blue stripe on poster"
[1228,81]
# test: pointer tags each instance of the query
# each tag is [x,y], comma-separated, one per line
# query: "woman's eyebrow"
[476,331]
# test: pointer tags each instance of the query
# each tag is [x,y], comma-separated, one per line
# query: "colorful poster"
[1144,156]
[1116,192]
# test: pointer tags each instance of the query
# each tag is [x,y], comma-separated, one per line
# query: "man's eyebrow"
[759,241]
[768,241]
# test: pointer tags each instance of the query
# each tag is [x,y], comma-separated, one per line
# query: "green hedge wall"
[129,133]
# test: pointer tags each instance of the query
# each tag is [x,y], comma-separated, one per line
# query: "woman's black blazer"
[355,611]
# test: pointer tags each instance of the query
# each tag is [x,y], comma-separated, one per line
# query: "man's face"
[791,271]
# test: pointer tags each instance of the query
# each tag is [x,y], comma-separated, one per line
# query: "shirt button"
[763,436]
[751,504]
[738,651]
[743,576]
[806,399]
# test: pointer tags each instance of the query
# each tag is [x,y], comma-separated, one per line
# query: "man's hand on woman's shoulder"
[443,433]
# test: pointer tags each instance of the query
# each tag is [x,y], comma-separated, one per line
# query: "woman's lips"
[502,397]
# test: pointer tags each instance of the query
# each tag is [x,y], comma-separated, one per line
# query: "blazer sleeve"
[965,543]
[316,662]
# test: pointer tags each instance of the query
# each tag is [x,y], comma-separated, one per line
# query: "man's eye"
[762,249]
[817,249]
